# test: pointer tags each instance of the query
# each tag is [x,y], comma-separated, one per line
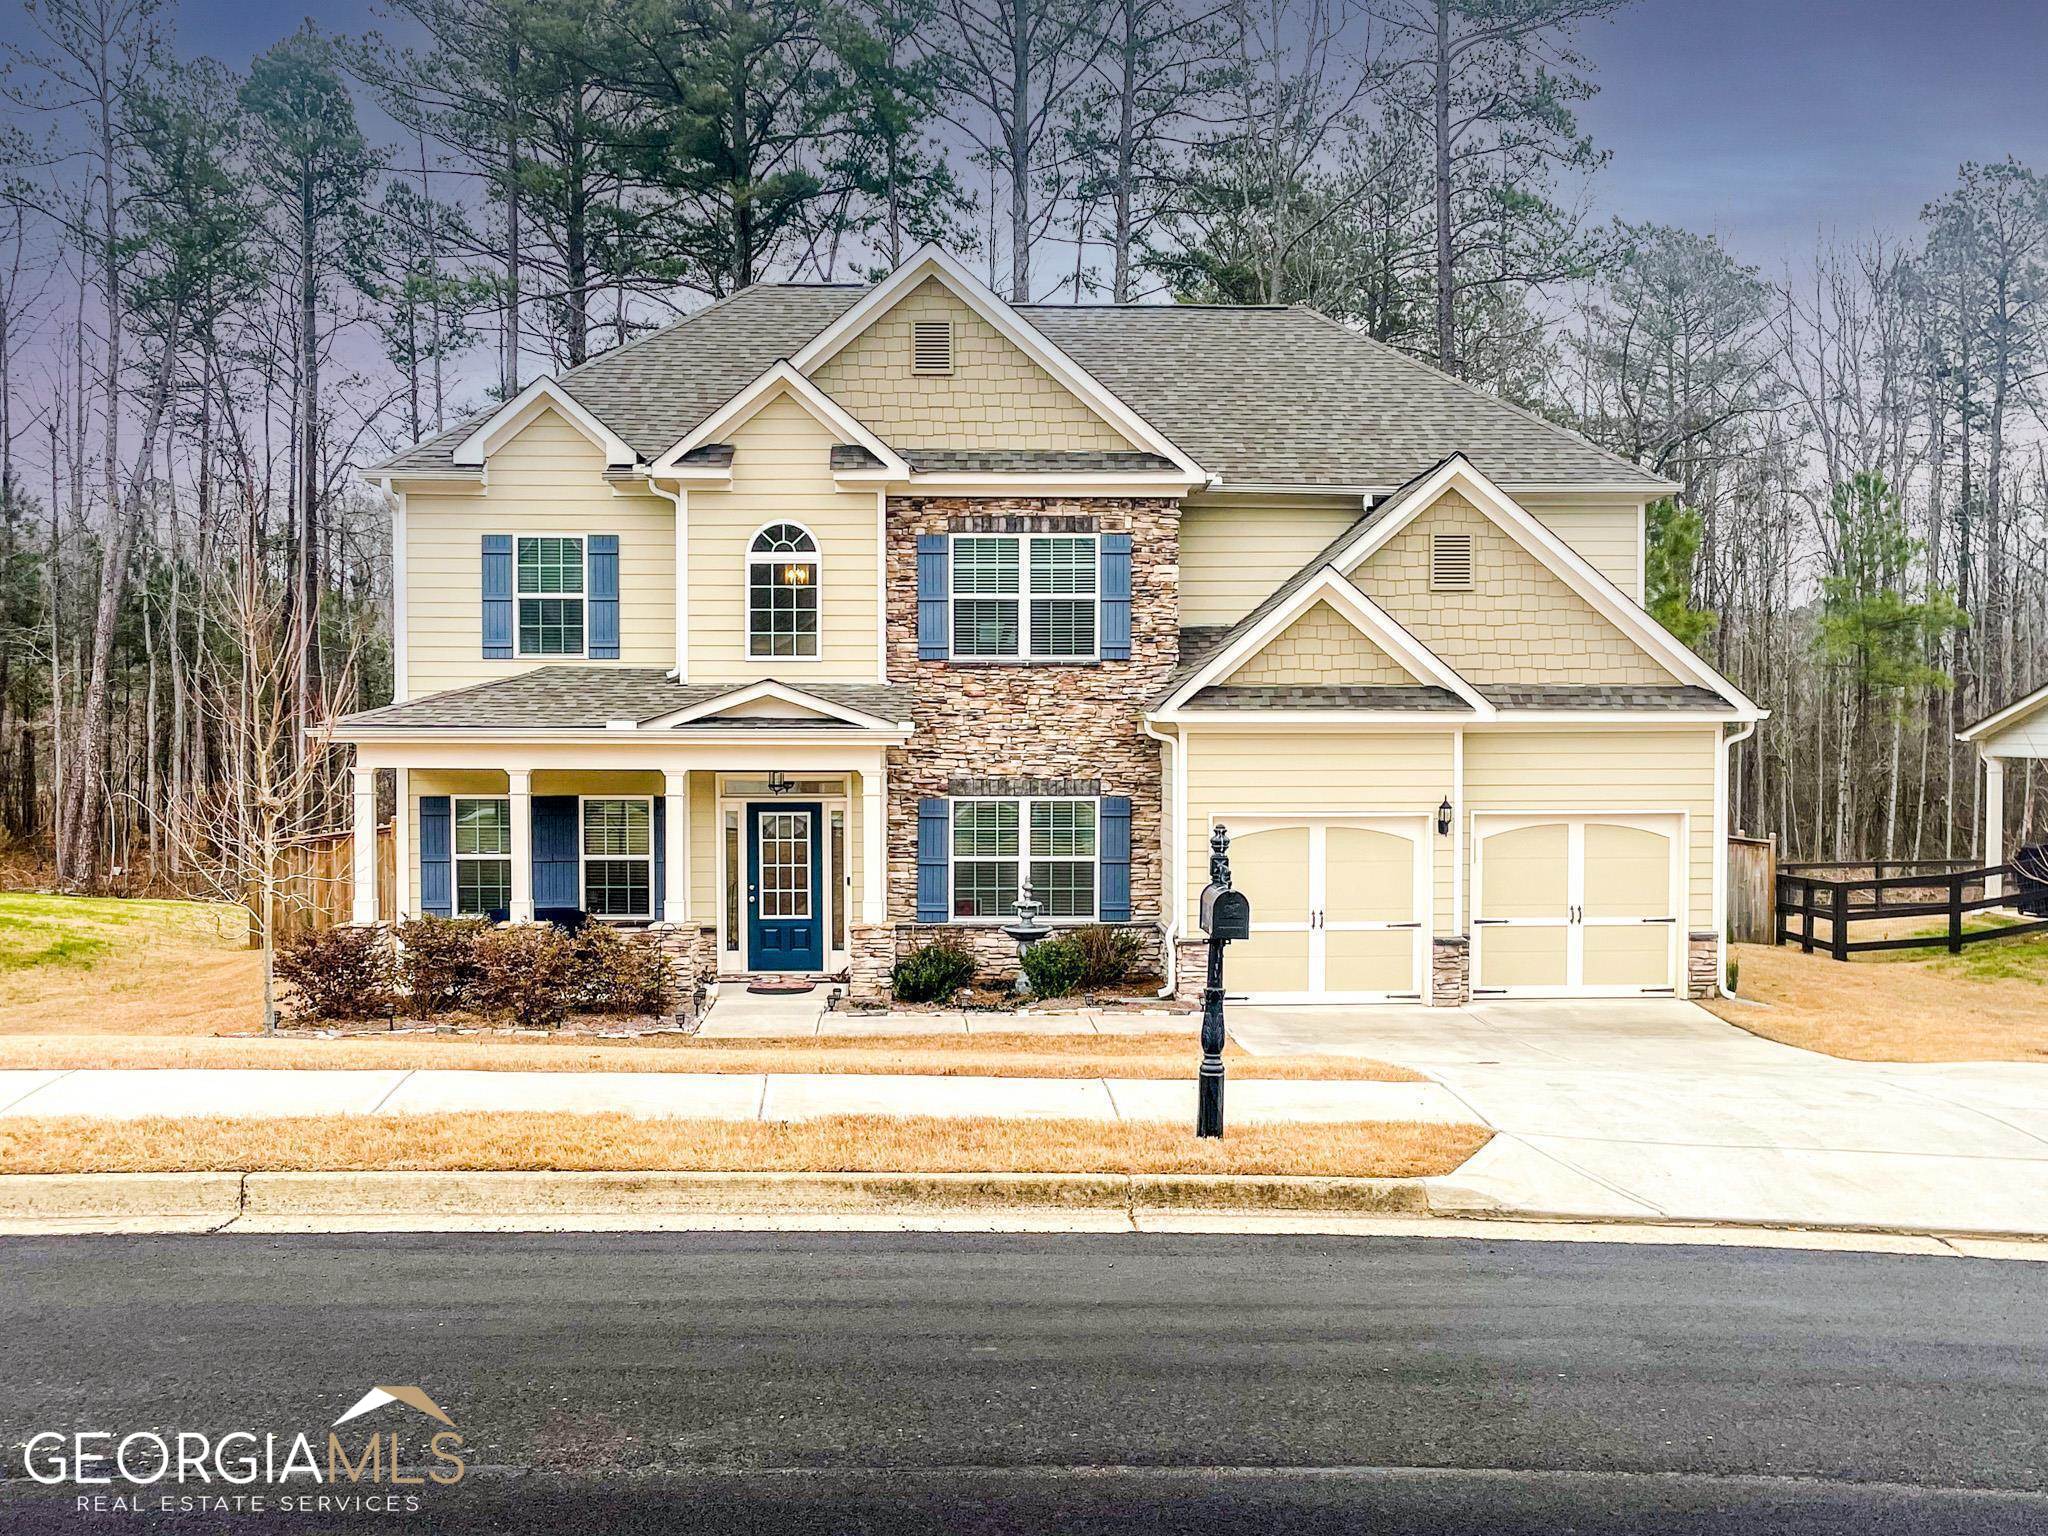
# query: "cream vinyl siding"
[995,397]
[782,472]
[1591,770]
[547,479]
[1234,550]
[1520,622]
[2024,738]
[1322,647]
[1606,535]
[1232,775]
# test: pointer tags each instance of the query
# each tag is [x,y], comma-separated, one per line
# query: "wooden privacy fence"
[1752,889]
[1806,899]
[316,885]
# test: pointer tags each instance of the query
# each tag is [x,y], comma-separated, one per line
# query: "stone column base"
[691,950]
[870,957]
[1450,971]
[1703,965]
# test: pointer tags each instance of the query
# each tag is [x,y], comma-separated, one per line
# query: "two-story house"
[812,624]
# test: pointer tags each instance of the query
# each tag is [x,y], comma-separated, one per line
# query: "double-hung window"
[1024,597]
[483,857]
[994,841]
[550,593]
[618,857]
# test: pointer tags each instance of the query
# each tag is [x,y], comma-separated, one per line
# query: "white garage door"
[1576,906]
[1340,910]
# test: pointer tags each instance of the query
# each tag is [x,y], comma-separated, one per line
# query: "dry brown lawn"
[841,1144]
[1931,1007]
[113,966]
[991,1055]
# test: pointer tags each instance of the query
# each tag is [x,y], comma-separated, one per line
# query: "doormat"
[781,988]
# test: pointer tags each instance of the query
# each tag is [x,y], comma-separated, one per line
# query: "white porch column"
[675,894]
[365,839]
[1994,822]
[402,896]
[518,784]
[874,841]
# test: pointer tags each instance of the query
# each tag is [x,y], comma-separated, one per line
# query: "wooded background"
[221,290]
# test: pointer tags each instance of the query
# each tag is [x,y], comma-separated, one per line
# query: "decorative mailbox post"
[1226,915]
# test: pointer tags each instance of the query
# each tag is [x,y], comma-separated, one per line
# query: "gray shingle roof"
[1046,460]
[588,698]
[1259,395]
[1324,696]
[1602,696]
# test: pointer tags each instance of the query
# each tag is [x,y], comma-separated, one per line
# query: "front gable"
[996,396]
[1322,648]
[1518,621]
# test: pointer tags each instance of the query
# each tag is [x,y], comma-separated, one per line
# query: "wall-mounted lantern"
[1443,818]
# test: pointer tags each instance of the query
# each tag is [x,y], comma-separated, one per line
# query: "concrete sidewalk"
[183,1093]
[1659,1110]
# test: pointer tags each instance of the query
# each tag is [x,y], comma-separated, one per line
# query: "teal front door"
[785,917]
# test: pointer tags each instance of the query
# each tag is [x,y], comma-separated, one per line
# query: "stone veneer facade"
[1042,728]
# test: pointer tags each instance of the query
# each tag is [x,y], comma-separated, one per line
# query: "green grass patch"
[2019,959]
[38,930]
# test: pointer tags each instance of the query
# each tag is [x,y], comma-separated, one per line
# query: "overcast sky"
[1764,121]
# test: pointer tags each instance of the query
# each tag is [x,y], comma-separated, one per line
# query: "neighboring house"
[2016,733]
[811,624]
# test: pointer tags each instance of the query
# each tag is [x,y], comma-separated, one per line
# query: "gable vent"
[931,346]
[1450,562]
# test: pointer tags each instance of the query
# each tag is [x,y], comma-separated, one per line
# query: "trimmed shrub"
[1108,955]
[528,974]
[617,974]
[931,972]
[1054,966]
[439,965]
[339,974]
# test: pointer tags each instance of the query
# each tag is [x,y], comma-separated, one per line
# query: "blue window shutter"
[1116,597]
[555,883]
[497,596]
[934,826]
[1113,904]
[437,872]
[660,855]
[934,585]
[602,550]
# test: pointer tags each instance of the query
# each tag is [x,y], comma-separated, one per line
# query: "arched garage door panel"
[1338,910]
[1575,905]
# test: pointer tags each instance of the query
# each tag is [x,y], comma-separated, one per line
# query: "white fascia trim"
[540,395]
[1526,529]
[487,737]
[1088,483]
[768,688]
[930,261]
[1374,622]
[1253,720]
[2012,714]
[778,380]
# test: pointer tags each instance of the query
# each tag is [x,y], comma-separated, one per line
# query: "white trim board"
[778,380]
[511,417]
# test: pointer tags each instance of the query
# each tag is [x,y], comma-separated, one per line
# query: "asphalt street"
[889,1383]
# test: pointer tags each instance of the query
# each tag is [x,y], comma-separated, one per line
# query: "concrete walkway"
[1658,1109]
[184,1093]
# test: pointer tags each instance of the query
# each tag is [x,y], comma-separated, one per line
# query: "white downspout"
[679,498]
[1721,833]
[1172,841]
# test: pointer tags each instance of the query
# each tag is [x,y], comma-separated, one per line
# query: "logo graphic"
[412,1397]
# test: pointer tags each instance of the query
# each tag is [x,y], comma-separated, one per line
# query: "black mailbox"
[1226,914]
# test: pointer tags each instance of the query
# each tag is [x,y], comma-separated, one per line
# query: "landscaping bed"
[1989,1003]
[838,1144]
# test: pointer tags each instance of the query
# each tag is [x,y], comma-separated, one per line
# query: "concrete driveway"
[1658,1109]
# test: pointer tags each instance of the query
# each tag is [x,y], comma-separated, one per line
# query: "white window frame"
[584,856]
[1025,858]
[582,597]
[815,558]
[1023,599]
[456,858]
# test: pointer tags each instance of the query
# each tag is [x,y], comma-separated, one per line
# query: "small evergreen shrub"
[439,964]
[528,973]
[1108,955]
[339,974]
[931,972]
[617,974]
[1054,966]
